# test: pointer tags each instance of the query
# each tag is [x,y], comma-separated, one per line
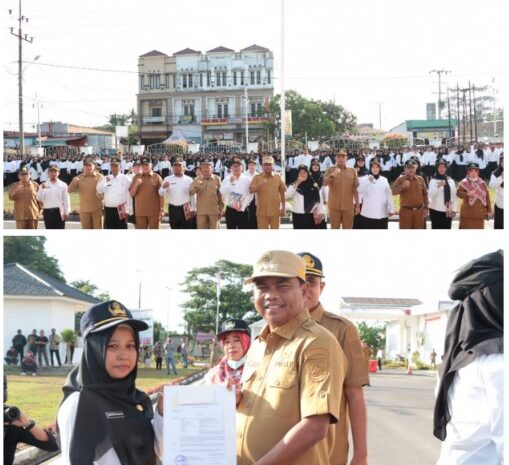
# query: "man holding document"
[293,375]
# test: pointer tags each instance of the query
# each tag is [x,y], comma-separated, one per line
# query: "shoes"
[23,373]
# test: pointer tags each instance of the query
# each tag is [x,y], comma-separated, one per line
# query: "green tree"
[374,336]
[235,300]
[89,288]
[30,251]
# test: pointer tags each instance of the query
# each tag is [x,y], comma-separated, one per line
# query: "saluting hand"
[139,181]
[108,178]
[165,184]
[405,184]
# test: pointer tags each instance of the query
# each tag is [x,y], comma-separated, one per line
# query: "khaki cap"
[341,152]
[279,263]
[268,160]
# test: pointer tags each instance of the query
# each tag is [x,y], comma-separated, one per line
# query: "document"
[199,425]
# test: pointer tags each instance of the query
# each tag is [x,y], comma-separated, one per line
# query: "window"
[157,112]
[201,79]
[174,81]
[235,78]
[152,80]
[224,79]
[167,80]
[184,80]
[258,77]
[252,75]
[158,81]
[220,111]
[208,78]
[190,78]
[268,76]
[253,109]
[242,78]
[258,109]
[218,79]
[225,110]
[142,82]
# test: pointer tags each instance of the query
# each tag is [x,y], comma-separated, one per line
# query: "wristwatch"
[29,426]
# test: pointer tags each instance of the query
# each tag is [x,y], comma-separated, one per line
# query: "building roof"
[414,124]
[186,51]
[9,134]
[255,48]
[19,280]
[380,301]
[71,129]
[153,53]
[220,49]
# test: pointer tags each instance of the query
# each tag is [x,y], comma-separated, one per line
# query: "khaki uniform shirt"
[342,188]
[413,196]
[209,200]
[26,206]
[477,210]
[268,196]
[146,200]
[356,375]
[295,371]
[90,200]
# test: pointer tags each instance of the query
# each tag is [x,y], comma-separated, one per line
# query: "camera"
[10,414]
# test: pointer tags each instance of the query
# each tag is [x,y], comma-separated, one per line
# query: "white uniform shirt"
[298,201]
[178,191]
[428,158]
[377,201]
[10,166]
[239,186]
[475,433]
[351,162]
[55,195]
[326,164]
[436,195]
[66,419]
[115,190]
[496,183]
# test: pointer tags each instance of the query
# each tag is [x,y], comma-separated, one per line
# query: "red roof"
[153,53]
[186,51]
[255,48]
[220,49]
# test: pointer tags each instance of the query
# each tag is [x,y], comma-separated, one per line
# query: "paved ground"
[400,415]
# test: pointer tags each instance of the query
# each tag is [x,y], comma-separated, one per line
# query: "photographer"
[19,428]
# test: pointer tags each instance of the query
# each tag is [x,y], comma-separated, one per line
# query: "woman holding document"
[104,419]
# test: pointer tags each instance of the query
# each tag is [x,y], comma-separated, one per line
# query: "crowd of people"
[347,189]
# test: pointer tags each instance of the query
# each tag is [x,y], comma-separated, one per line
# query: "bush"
[422,366]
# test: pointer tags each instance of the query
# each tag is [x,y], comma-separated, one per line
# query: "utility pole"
[464,91]
[21,19]
[247,115]
[439,72]
[494,110]
[449,112]
[38,105]
[470,110]
[475,111]
[379,115]
[458,110]
[283,97]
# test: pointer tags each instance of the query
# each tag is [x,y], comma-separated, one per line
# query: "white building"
[34,300]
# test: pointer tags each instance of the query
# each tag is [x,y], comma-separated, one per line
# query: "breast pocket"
[281,397]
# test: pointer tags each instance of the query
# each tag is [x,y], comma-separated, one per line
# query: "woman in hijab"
[317,177]
[234,339]
[308,208]
[476,205]
[468,414]
[497,183]
[362,171]
[104,419]
[442,197]
[377,203]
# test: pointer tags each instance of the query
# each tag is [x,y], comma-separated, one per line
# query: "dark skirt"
[439,220]
[373,223]
[303,221]
[499,218]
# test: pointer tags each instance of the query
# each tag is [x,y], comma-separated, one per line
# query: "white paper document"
[199,425]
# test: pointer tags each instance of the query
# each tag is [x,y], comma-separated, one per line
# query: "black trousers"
[236,219]
[159,363]
[53,218]
[178,218]
[112,220]
[499,217]
[57,354]
[20,350]
[372,223]
[439,220]
[303,221]
[251,210]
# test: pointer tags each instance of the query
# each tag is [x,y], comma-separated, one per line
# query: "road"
[400,416]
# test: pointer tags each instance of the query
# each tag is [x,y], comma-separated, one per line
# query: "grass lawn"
[40,396]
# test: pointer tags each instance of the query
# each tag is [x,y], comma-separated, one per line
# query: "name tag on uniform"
[114,415]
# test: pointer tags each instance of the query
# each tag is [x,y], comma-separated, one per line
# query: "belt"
[412,208]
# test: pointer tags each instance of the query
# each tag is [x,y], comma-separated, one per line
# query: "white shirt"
[178,190]
[66,418]
[326,164]
[298,201]
[436,195]
[55,195]
[239,186]
[351,162]
[377,201]
[10,166]
[428,158]
[475,433]
[115,190]
[496,183]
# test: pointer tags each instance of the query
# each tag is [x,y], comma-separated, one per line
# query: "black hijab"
[310,190]
[447,187]
[475,326]
[317,176]
[111,413]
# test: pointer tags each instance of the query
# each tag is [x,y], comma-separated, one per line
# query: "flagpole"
[218,293]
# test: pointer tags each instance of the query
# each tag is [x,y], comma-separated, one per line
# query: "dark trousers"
[499,218]
[236,219]
[251,210]
[53,218]
[57,354]
[303,221]
[159,363]
[20,350]
[178,218]
[112,220]
[439,220]
[372,223]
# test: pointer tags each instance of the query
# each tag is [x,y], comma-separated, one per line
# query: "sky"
[357,264]
[358,53]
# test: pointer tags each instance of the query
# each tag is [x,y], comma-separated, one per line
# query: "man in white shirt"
[55,199]
[236,197]
[115,188]
[497,183]
[182,205]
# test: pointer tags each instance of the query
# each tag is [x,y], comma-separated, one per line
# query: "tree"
[88,288]
[374,336]
[29,251]
[235,301]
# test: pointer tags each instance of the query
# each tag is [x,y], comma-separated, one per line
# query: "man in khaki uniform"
[148,204]
[293,376]
[91,207]
[26,207]
[353,406]
[413,197]
[209,201]
[343,201]
[270,195]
